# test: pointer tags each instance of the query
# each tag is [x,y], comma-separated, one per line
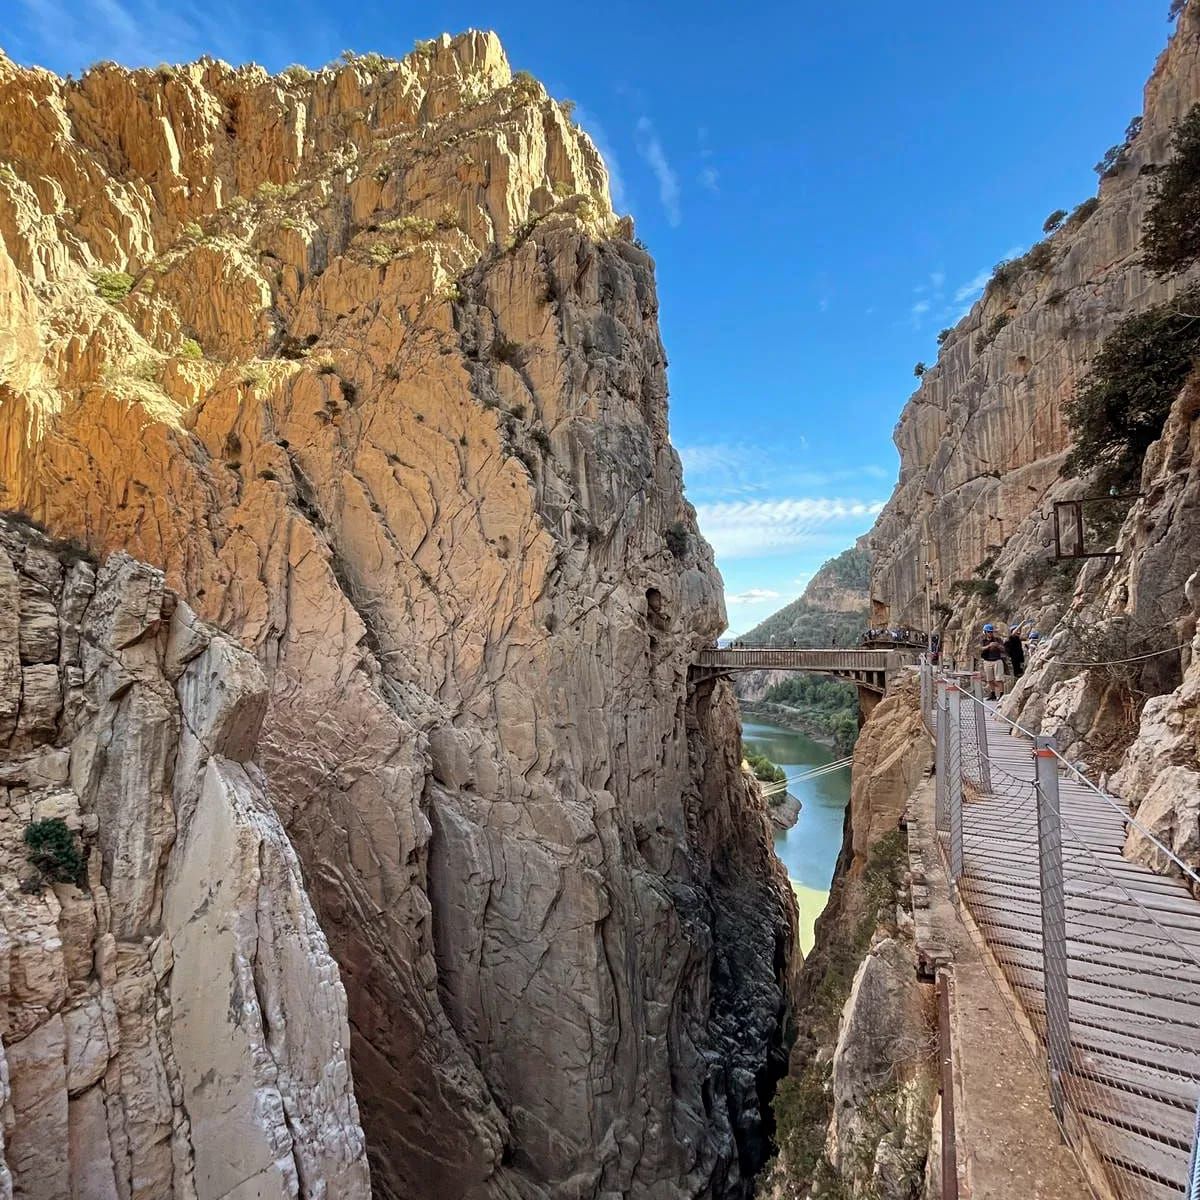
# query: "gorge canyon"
[359,368]
[364,828]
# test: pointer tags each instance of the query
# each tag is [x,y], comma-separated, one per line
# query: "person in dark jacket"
[1014,647]
[991,651]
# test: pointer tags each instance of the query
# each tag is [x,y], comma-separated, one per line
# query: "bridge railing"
[1102,952]
[767,656]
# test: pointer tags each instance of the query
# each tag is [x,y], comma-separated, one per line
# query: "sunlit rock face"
[983,438]
[386,402]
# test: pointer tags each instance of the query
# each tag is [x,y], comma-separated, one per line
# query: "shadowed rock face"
[421,470]
[173,1021]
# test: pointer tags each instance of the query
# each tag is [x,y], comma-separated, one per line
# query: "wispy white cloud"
[710,178]
[752,528]
[651,150]
[973,286]
[599,135]
[752,596]
[731,471]
[69,36]
[931,293]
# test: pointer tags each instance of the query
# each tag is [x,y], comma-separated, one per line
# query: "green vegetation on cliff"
[809,620]
[1122,403]
[1171,230]
[764,769]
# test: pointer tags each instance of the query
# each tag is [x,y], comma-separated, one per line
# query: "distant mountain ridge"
[835,604]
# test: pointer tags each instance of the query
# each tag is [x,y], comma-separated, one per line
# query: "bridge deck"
[1133,949]
[867,668]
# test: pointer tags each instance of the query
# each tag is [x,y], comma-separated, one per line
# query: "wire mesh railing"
[1102,952]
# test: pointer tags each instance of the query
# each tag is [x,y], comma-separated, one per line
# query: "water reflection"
[810,848]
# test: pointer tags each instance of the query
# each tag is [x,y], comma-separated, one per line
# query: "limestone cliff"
[983,439]
[364,361]
[173,1021]
[982,445]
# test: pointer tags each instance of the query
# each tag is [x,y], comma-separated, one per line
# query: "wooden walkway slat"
[1133,960]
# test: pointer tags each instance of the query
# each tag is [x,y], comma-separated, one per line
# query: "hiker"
[1015,649]
[991,651]
[1035,644]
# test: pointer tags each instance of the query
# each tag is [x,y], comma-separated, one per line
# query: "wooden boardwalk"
[1133,950]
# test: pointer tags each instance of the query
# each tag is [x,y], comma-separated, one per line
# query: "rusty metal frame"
[1077,507]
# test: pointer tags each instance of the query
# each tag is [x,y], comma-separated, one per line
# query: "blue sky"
[823,186]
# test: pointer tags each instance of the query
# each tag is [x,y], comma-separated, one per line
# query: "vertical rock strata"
[982,440]
[982,443]
[384,398]
[173,1021]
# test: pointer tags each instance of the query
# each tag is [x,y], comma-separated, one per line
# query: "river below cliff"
[810,848]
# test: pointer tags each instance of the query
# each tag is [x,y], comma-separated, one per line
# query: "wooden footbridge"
[868,669]
[1101,953]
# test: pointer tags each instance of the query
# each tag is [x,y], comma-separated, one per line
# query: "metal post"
[926,698]
[981,738]
[939,761]
[1193,1176]
[954,790]
[1054,920]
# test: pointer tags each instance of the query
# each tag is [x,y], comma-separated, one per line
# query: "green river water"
[810,848]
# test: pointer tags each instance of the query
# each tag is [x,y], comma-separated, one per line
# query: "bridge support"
[868,698]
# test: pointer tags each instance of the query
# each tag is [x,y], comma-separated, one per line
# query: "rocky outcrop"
[832,610]
[384,397]
[173,1022]
[891,756]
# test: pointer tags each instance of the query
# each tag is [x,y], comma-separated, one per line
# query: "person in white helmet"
[991,651]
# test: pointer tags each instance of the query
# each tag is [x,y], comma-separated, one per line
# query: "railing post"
[1193,1175]
[1054,920]
[926,705]
[981,734]
[954,789]
[942,814]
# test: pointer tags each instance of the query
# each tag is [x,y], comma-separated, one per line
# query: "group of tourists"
[1014,649]
[905,634]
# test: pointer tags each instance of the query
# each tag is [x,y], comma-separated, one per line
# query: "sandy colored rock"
[422,472]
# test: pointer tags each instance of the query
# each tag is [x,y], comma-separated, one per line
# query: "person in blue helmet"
[991,652]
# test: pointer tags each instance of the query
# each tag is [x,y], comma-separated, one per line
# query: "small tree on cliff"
[1120,406]
[1171,230]
[51,847]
